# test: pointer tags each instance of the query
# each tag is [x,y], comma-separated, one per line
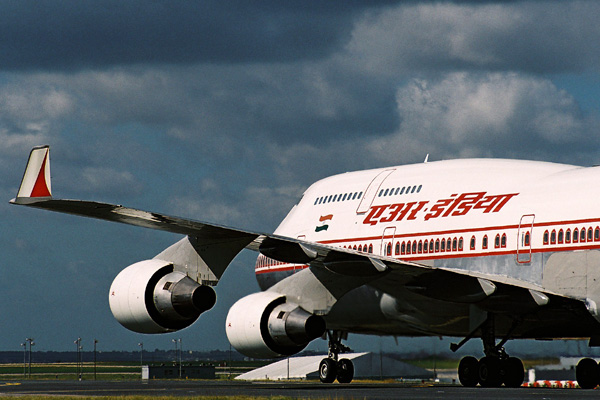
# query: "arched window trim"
[561,236]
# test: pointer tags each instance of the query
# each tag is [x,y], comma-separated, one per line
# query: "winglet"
[36,183]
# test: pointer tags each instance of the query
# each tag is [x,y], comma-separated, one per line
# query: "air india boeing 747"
[474,248]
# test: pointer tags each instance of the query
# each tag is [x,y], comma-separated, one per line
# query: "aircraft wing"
[339,270]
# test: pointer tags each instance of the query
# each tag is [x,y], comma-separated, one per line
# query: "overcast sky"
[226,111]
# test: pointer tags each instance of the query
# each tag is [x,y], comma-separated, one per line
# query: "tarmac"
[299,390]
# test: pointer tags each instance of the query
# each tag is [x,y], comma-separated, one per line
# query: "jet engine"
[264,325]
[151,297]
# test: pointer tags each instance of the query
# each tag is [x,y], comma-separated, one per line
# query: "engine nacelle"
[150,297]
[264,325]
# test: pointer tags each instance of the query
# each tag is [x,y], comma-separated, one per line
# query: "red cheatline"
[326,217]
[40,189]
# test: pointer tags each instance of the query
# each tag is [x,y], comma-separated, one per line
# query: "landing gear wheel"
[514,373]
[345,371]
[327,370]
[587,373]
[489,372]
[468,371]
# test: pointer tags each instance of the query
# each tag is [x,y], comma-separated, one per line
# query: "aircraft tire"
[468,371]
[514,373]
[587,373]
[327,370]
[490,372]
[345,371]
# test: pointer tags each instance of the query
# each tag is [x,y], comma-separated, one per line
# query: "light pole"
[24,345]
[78,353]
[175,341]
[95,343]
[180,355]
[141,344]
[31,343]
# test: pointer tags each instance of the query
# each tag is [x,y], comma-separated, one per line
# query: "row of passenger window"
[399,191]
[264,261]
[578,236]
[435,246]
[338,197]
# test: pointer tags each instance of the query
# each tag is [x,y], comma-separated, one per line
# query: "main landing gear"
[331,368]
[496,368]
[587,373]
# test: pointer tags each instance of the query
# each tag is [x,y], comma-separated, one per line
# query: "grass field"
[131,371]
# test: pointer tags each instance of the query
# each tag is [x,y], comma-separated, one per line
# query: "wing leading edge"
[217,245]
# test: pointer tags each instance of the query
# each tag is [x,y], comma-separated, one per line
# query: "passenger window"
[408,247]
[503,243]
[582,235]
[408,190]
[597,234]
[484,242]
[381,193]
[389,249]
[431,246]
[527,239]
[425,246]
[397,190]
[414,247]
[397,248]
[443,245]
[497,241]
[472,245]
[413,189]
[359,195]
[419,188]
[561,236]
[420,246]
[576,235]
[568,236]
[354,196]
[403,248]
[454,245]
[460,244]
[546,237]
[344,198]
[402,191]
[590,235]
[437,245]
[370,248]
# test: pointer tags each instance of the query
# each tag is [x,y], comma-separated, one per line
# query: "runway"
[300,390]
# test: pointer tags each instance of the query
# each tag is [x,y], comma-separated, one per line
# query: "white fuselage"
[497,218]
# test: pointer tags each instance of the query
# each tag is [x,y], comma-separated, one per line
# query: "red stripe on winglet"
[40,189]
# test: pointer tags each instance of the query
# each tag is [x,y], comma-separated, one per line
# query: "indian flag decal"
[323,220]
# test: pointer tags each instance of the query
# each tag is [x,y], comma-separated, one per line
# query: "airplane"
[493,249]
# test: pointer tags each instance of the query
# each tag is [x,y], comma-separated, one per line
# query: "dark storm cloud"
[73,35]
[94,34]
